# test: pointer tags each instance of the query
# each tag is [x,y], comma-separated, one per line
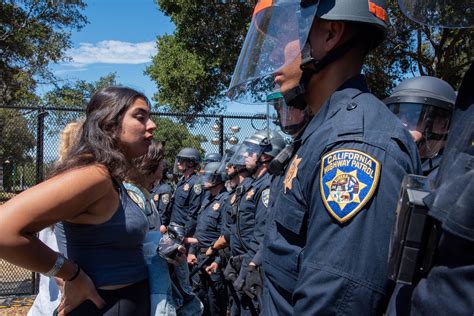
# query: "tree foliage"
[193,66]
[33,33]
[412,50]
[175,136]
[17,139]
[73,95]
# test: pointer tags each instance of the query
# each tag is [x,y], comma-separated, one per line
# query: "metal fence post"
[40,144]
[221,135]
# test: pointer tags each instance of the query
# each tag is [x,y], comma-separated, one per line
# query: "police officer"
[447,289]
[161,194]
[326,246]
[186,199]
[248,227]
[211,289]
[425,104]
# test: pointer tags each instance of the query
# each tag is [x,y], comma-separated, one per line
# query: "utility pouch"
[415,235]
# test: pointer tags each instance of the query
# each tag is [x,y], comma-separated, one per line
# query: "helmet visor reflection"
[443,13]
[247,149]
[274,25]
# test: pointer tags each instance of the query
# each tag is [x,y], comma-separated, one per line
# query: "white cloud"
[111,52]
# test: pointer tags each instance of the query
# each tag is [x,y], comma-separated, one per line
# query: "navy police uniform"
[211,288]
[186,203]
[326,247]
[248,231]
[448,289]
[161,195]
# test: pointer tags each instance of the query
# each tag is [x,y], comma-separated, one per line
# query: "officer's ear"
[326,35]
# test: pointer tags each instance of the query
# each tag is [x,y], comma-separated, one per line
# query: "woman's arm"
[68,196]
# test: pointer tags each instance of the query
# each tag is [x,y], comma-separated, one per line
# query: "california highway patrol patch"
[165,198]
[197,188]
[265,197]
[348,181]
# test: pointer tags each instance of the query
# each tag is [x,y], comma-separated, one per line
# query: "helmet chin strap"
[311,66]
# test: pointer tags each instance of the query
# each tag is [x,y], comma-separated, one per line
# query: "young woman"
[100,229]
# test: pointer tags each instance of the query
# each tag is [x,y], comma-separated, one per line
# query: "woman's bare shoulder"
[61,197]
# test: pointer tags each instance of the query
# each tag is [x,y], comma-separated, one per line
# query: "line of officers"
[224,202]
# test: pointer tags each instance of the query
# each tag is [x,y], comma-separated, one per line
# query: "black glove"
[230,273]
[253,280]
[239,283]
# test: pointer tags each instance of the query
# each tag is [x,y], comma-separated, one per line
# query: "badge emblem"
[265,197]
[197,188]
[216,206]
[165,198]
[186,187]
[347,182]
[250,194]
[156,197]
[232,199]
[291,174]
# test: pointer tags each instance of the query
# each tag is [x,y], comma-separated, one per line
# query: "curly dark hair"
[98,140]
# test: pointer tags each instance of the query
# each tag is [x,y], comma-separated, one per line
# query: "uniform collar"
[348,90]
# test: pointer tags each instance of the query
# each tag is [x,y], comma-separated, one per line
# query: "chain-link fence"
[29,147]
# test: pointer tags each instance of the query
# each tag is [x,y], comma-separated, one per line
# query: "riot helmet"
[439,13]
[212,157]
[278,38]
[250,153]
[187,158]
[424,105]
[213,175]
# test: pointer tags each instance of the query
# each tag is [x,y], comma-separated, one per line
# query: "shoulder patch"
[165,198]
[347,182]
[137,199]
[266,197]
[197,189]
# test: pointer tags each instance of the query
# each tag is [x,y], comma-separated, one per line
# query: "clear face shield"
[210,179]
[181,164]
[442,13]
[427,124]
[290,119]
[271,45]
[247,155]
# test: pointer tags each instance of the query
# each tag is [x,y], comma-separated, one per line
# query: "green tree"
[194,65]
[16,143]
[32,35]
[412,50]
[73,95]
[175,136]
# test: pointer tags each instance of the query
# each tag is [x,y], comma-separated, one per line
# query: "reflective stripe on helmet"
[378,11]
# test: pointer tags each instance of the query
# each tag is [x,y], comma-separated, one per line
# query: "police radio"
[415,234]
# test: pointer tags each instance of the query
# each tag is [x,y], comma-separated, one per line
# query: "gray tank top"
[110,253]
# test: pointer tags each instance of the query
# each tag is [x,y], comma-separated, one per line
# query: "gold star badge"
[291,174]
[250,194]
[216,206]
[186,187]
[232,199]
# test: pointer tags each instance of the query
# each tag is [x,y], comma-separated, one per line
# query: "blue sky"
[120,37]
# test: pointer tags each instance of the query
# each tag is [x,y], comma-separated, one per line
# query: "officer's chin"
[417,136]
